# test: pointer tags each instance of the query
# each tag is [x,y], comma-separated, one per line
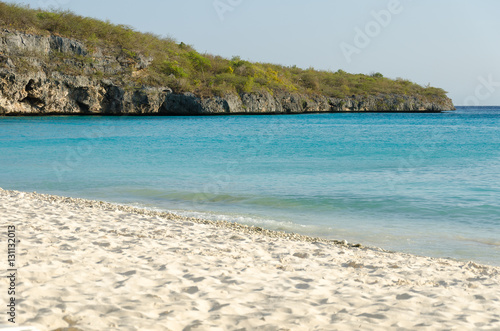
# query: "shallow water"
[427,184]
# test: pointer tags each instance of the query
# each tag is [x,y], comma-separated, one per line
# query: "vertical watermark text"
[11,273]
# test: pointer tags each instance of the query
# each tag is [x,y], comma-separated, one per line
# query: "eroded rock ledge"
[31,85]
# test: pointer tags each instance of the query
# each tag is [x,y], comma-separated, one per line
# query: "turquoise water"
[427,184]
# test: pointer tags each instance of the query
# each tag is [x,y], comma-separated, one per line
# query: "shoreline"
[222,224]
[93,265]
[234,226]
[58,114]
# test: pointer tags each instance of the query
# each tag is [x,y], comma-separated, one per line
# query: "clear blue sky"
[453,44]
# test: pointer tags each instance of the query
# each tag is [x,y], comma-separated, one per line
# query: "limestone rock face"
[30,84]
[65,45]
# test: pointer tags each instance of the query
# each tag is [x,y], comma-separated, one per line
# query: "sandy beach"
[86,265]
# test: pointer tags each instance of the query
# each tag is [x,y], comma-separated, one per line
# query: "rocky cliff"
[52,75]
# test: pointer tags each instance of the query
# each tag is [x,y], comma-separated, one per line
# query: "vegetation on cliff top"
[180,67]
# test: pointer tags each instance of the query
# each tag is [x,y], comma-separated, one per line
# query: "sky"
[452,44]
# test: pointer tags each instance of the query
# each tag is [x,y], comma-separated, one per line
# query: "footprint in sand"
[373,316]
[405,296]
[191,290]
[302,286]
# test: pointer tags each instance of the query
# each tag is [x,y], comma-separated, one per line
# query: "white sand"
[106,268]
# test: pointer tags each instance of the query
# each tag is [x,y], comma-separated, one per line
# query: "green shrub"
[199,62]
[310,80]
[173,68]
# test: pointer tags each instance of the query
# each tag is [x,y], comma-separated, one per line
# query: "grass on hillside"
[180,67]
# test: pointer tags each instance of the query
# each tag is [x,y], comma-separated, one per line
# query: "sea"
[421,183]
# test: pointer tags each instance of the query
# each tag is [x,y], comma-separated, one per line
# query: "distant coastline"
[466,107]
[62,64]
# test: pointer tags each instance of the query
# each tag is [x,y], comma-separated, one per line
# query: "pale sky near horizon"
[452,44]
